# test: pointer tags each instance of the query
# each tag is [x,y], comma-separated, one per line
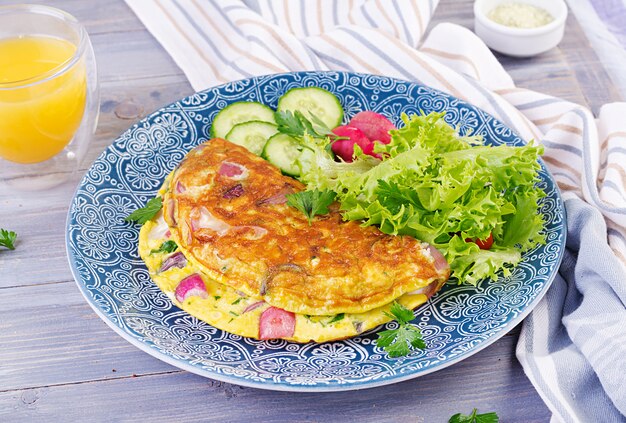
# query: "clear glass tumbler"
[49,98]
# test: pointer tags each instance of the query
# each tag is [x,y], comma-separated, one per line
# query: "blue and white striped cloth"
[573,345]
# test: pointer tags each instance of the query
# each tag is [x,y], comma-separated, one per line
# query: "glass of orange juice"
[49,98]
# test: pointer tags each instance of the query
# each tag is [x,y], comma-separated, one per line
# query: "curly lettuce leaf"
[444,189]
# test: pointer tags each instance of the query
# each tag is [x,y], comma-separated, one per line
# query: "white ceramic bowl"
[520,42]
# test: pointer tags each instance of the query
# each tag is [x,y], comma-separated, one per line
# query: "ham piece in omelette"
[227,209]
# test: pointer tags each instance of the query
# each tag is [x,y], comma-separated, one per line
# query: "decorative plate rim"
[269,384]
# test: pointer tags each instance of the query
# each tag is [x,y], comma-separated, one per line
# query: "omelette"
[232,311]
[226,210]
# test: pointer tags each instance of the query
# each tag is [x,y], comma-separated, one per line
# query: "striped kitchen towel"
[573,345]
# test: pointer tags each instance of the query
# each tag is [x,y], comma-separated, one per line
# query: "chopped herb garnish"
[232,313]
[475,418]
[295,124]
[7,239]
[312,202]
[237,301]
[337,318]
[217,297]
[147,212]
[398,342]
[167,247]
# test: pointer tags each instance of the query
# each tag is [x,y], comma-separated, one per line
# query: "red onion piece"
[271,274]
[441,264]
[191,286]
[203,219]
[233,192]
[160,230]
[427,290]
[253,306]
[276,323]
[180,188]
[177,259]
[257,232]
[233,170]
[168,234]
[278,198]
[171,212]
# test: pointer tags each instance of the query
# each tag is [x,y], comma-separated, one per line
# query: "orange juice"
[41,102]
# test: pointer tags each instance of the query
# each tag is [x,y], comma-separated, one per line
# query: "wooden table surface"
[60,362]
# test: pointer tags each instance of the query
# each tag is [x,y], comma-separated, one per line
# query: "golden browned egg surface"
[225,208]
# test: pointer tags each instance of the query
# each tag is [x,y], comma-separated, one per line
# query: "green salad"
[477,204]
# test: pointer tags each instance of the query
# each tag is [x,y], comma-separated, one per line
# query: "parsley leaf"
[146,213]
[7,239]
[398,342]
[167,247]
[475,418]
[400,313]
[337,318]
[311,203]
[295,124]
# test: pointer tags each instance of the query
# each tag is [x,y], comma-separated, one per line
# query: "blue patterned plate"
[456,323]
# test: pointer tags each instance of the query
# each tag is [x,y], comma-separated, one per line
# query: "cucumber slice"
[323,104]
[253,135]
[239,112]
[287,154]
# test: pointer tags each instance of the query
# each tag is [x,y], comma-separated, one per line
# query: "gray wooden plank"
[97,16]
[486,381]
[49,335]
[125,56]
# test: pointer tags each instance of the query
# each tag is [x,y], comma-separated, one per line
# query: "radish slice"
[345,148]
[233,170]
[375,126]
[191,286]
[276,323]
[253,306]
[175,260]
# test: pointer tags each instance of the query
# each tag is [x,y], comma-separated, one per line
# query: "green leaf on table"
[474,417]
[7,239]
